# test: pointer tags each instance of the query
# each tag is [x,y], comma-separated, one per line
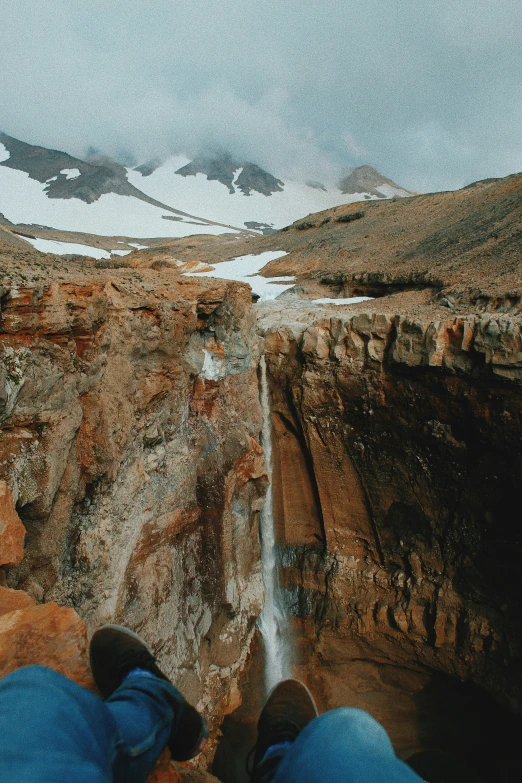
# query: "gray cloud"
[428,93]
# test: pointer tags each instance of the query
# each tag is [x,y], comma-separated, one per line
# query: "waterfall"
[272,621]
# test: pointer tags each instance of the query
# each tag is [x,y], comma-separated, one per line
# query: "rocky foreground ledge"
[129,452]
[53,636]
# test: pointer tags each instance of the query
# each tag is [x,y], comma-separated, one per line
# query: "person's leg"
[344,744]
[147,711]
[127,676]
[288,709]
[53,731]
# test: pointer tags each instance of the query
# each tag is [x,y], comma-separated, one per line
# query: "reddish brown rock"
[12,531]
[164,771]
[167,771]
[188,775]
[48,635]
[129,432]
[12,600]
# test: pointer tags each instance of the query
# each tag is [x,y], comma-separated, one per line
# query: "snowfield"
[352,300]
[245,269]
[211,199]
[23,200]
[63,248]
[71,173]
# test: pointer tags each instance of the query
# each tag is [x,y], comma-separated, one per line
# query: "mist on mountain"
[428,93]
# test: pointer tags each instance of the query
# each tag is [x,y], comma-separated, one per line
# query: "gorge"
[131,450]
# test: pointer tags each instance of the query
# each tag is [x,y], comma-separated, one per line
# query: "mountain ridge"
[170,198]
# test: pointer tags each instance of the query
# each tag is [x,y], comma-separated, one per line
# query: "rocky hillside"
[461,249]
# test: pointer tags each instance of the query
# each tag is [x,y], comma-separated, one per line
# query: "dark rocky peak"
[366,179]
[224,169]
[40,163]
[66,176]
[148,168]
[264,228]
[97,158]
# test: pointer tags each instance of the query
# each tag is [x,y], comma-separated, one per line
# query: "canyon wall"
[397,476]
[129,448]
[130,427]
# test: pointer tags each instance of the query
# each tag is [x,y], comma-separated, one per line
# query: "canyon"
[131,453]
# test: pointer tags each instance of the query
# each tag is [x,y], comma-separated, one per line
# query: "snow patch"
[351,300]
[4,153]
[137,246]
[120,252]
[71,173]
[212,369]
[245,269]
[64,248]
[236,175]
[389,191]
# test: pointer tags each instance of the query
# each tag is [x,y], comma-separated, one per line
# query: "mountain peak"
[366,179]
[246,177]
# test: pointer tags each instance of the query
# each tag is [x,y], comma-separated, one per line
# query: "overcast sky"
[430,93]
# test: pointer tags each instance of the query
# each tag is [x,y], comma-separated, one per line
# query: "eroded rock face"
[12,532]
[130,445]
[398,485]
[130,422]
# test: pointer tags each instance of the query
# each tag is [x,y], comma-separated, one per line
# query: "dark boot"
[113,652]
[288,709]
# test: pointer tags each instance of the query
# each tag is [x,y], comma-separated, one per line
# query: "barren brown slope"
[462,246]
[467,242]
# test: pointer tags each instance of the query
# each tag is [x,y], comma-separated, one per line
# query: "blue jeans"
[345,745]
[54,731]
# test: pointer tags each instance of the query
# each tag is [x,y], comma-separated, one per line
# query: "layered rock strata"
[130,422]
[397,476]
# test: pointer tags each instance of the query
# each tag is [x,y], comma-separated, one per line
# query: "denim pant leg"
[145,711]
[344,744]
[54,731]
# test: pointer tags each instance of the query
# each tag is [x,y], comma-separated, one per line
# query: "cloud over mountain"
[429,93]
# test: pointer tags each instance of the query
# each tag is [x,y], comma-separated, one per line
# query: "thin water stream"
[273,623]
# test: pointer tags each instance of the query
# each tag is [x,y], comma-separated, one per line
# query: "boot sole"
[305,687]
[126,631]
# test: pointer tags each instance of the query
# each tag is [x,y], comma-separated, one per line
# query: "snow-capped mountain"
[172,198]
